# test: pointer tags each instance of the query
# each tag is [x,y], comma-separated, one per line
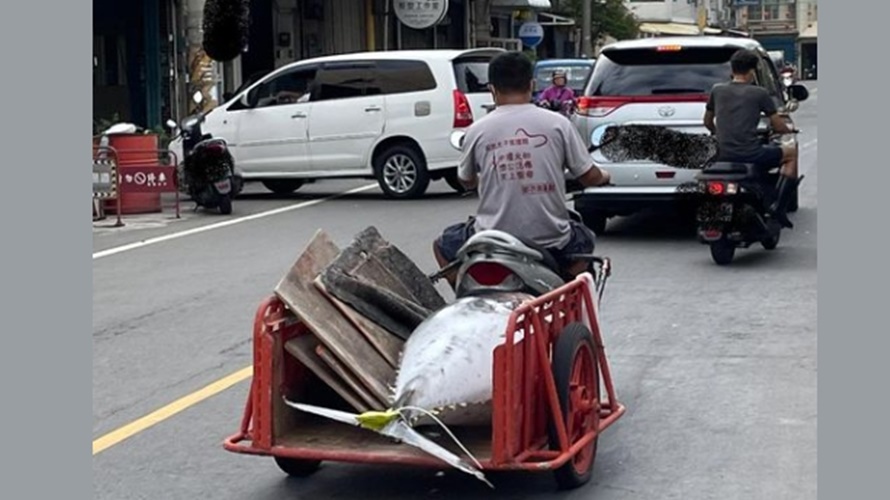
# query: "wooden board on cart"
[346,375]
[336,332]
[387,344]
[304,348]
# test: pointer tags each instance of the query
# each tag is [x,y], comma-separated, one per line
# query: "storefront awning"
[810,32]
[670,29]
[548,19]
[522,4]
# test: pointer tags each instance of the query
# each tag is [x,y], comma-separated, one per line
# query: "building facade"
[666,17]
[149,60]
[774,23]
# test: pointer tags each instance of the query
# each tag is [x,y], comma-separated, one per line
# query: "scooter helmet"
[559,73]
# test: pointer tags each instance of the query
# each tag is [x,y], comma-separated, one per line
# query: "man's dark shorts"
[768,158]
[454,236]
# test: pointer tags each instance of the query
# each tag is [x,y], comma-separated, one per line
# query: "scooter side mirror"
[171,124]
[457,139]
[798,92]
[198,97]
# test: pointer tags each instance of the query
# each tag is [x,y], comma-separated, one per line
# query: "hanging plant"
[226,25]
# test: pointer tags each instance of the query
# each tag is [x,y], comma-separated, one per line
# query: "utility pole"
[586,22]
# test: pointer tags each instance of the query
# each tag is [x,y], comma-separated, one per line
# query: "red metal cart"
[548,397]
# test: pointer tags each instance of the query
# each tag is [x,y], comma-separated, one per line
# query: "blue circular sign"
[531,34]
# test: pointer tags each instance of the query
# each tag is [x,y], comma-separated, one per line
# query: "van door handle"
[298,114]
[370,109]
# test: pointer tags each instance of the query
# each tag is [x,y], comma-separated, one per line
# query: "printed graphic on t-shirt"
[513,161]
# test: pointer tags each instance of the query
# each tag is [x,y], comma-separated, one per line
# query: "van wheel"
[401,172]
[283,186]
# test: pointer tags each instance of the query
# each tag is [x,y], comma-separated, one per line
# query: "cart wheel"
[576,374]
[296,467]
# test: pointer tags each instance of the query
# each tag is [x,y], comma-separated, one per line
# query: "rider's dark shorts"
[768,158]
[454,236]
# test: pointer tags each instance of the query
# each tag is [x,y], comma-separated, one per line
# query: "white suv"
[383,115]
[657,81]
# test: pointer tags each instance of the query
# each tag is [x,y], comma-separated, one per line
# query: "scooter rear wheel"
[722,251]
[225,205]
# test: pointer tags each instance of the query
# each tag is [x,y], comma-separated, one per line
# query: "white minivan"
[383,115]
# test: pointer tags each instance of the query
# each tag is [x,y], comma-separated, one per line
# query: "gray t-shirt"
[520,153]
[738,106]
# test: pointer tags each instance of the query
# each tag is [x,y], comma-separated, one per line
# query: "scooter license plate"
[223,186]
[715,212]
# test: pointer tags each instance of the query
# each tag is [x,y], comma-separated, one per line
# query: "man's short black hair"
[511,72]
[744,61]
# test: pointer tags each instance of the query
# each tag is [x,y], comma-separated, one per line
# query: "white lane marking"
[218,225]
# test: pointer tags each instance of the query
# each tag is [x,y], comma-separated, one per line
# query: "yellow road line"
[116,436]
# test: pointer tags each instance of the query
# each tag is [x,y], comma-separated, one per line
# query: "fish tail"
[389,423]
[400,430]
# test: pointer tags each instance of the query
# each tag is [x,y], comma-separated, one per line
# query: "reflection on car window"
[639,72]
[344,81]
[288,88]
[471,76]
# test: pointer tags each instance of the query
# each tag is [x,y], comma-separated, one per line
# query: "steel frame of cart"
[552,397]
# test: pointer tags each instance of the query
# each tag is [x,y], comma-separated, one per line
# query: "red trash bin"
[133,150]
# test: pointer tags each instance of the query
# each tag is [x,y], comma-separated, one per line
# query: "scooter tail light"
[716,188]
[489,273]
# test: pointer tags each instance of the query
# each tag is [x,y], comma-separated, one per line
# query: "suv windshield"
[646,72]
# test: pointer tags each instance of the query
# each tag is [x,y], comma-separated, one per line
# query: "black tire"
[573,344]
[454,182]
[722,251]
[771,242]
[296,467]
[283,186]
[596,221]
[401,172]
[793,204]
[225,205]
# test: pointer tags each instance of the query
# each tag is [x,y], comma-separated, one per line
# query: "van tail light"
[463,112]
[599,106]
[489,274]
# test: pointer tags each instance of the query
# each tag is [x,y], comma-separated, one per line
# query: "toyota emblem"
[666,111]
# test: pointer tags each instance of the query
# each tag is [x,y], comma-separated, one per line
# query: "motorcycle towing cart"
[552,396]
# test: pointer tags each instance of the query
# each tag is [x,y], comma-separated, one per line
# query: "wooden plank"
[303,348]
[327,323]
[386,343]
[350,379]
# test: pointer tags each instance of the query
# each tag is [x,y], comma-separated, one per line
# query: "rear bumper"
[624,201]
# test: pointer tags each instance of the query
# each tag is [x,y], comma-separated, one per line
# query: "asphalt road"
[717,366]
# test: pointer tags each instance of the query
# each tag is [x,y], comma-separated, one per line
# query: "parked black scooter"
[208,168]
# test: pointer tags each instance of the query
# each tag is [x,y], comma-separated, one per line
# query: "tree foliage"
[608,18]
[226,24]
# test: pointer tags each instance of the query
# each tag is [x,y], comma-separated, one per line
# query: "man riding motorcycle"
[517,156]
[736,106]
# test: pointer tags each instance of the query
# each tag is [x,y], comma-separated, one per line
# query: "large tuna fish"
[445,370]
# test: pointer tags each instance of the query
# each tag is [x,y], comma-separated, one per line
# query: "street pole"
[586,22]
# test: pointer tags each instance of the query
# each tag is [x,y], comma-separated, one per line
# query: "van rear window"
[641,72]
[472,74]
